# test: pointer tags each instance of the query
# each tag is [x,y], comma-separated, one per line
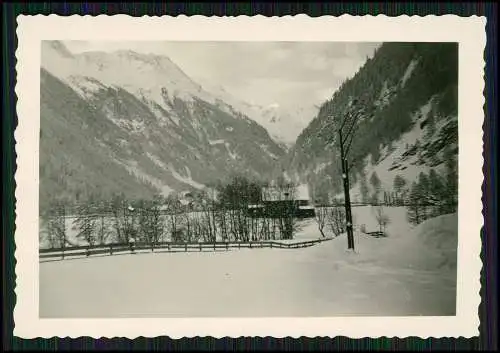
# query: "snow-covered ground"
[411,272]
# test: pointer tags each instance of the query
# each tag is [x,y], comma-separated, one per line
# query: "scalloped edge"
[28,325]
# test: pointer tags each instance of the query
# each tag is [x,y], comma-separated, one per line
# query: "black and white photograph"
[233,179]
[248,179]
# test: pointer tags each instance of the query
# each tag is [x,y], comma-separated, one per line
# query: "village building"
[279,200]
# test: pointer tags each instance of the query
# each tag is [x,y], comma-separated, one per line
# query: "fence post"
[250,245]
[214,246]
[110,249]
[200,246]
[186,247]
[87,252]
[168,247]
[227,246]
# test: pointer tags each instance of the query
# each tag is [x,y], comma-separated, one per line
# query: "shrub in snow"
[321,216]
[336,219]
[382,218]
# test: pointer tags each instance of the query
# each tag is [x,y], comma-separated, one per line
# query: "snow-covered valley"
[410,272]
[154,130]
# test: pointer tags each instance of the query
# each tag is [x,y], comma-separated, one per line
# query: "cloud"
[285,73]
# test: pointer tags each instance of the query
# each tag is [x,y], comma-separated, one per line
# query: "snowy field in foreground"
[411,272]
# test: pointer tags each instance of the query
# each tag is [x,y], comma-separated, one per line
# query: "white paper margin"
[468,31]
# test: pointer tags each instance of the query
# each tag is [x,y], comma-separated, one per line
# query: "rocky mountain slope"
[283,124]
[408,92]
[135,123]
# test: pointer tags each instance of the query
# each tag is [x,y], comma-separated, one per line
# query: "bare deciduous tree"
[102,225]
[335,220]
[211,212]
[175,218]
[321,217]
[151,222]
[56,224]
[287,192]
[86,222]
[124,218]
[382,218]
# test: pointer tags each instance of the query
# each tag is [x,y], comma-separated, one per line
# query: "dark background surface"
[488,339]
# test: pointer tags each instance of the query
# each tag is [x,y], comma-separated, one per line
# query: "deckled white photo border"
[468,31]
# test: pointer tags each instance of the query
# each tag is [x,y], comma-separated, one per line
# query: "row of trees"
[431,196]
[218,213]
[333,219]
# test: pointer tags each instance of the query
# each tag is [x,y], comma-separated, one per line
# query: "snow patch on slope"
[282,124]
[186,179]
[231,153]
[265,148]
[86,87]
[133,168]
[156,161]
[409,71]
[407,168]
[216,142]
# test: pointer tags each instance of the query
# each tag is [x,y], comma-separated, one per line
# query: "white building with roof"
[273,193]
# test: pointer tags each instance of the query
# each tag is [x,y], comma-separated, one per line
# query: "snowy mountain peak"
[145,75]
[283,124]
[59,47]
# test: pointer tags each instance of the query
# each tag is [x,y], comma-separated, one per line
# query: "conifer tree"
[399,185]
[364,188]
[376,184]
[414,204]
[451,181]
[437,193]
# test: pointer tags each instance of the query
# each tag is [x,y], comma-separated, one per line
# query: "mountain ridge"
[161,131]
[283,124]
[408,92]
[155,132]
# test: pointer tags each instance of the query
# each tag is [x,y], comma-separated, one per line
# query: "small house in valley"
[277,201]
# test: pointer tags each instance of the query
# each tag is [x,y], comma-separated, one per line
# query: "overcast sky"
[290,74]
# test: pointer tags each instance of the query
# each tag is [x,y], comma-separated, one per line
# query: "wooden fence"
[110,249]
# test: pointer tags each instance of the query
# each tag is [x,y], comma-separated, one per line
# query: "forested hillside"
[408,95]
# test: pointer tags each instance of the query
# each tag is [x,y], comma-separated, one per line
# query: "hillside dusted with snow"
[283,124]
[135,123]
[409,95]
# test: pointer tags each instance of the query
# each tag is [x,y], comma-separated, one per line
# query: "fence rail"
[110,249]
